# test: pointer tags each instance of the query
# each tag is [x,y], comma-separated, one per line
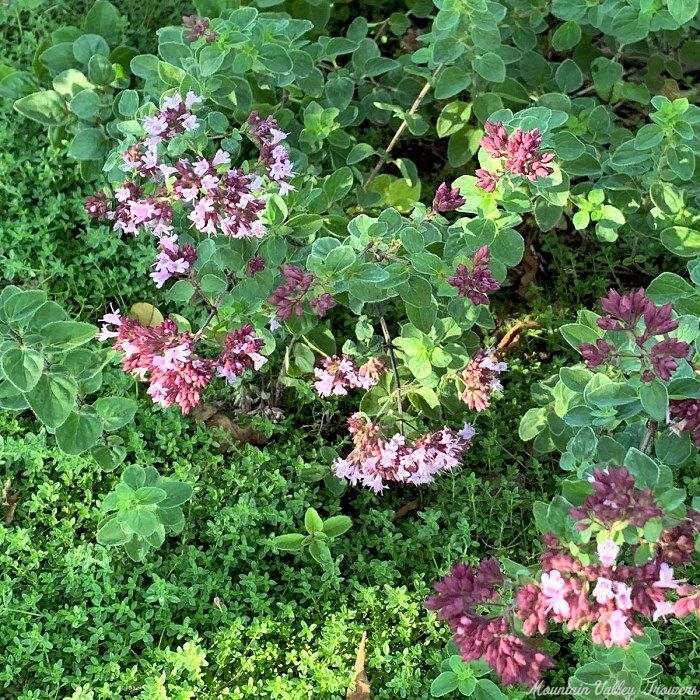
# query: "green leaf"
[110,532]
[649,136]
[490,66]
[445,683]
[178,492]
[681,240]
[320,552]
[654,398]
[577,333]
[642,467]
[142,520]
[337,525]
[288,543]
[101,71]
[359,152]
[683,11]
[134,476]
[89,144]
[137,548]
[338,184]
[566,36]
[60,336]
[312,521]
[668,287]
[22,305]
[115,411]
[681,159]
[22,367]
[46,107]
[89,45]
[451,82]
[150,495]
[85,105]
[467,686]
[488,690]
[532,424]
[103,19]
[79,432]
[53,398]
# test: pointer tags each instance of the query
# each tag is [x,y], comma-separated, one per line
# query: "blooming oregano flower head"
[167,359]
[607,552]
[376,459]
[479,283]
[519,154]
[288,297]
[161,356]
[273,155]
[172,261]
[338,374]
[624,314]
[199,27]
[240,352]
[479,379]
[447,199]
[215,197]
[686,415]
[487,636]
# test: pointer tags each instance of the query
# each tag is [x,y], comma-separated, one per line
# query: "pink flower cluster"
[338,374]
[199,27]
[273,155]
[376,460]
[623,315]
[288,298]
[687,415]
[479,283]
[167,359]
[479,379]
[172,260]
[520,154]
[216,198]
[447,199]
[609,596]
[461,598]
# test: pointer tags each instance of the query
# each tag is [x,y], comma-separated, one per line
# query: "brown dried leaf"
[10,498]
[239,434]
[405,509]
[530,267]
[512,336]
[360,689]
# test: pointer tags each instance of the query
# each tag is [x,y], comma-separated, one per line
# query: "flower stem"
[414,108]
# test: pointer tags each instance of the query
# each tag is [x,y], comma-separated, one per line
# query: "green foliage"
[465,679]
[148,507]
[44,367]
[317,540]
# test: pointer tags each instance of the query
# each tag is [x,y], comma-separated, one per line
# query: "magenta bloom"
[162,357]
[480,635]
[447,199]
[477,284]
[288,297]
[199,27]
[338,374]
[519,152]
[376,459]
[241,351]
[172,261]
[687,415]
[479,379]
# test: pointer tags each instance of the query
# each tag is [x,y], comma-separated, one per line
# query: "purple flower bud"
[447,199]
